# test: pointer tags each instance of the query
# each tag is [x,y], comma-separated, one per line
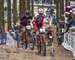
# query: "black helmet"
[27,12]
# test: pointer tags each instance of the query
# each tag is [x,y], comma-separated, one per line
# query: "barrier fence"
[69,41]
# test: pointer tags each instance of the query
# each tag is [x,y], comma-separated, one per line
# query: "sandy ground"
[13,53]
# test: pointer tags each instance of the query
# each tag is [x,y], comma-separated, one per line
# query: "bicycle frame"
[42,44]
[42,38]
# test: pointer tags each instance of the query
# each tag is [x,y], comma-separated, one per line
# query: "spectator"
[12,26]
[3,36]
[17,35]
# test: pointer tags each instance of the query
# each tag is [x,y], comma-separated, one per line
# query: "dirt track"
[11,53]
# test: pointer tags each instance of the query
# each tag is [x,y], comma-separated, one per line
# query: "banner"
[10,41]
[69,41]
[3,38]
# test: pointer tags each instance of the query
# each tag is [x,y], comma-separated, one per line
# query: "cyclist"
[38,21]
[24,21]
[38,24]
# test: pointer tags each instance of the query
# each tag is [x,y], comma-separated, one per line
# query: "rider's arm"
[35,24]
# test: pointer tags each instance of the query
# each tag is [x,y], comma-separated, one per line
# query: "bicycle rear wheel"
[43,49]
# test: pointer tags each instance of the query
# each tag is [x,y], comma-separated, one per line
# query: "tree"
[57,9]
[32,7]
[61,7]
[28,4]
[67,2]
[15,11]
[9,13]
[22,7]
[2,13]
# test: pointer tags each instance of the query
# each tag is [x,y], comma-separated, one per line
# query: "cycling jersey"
[25,20]
[39,21]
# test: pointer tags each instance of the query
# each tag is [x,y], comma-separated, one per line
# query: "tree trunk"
[15,11]
[22,7]
[61,7]
[67,2]
[57,9]
[28,4]
[32,7]
[2,13]
[9,13]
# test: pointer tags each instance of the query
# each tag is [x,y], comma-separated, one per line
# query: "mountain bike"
[42,42]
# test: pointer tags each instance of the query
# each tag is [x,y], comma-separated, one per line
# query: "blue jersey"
[72,22]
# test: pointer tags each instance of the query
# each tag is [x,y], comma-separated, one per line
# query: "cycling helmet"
[27,13]
[40,11]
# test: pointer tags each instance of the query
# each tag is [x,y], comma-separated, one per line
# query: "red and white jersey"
[38,19]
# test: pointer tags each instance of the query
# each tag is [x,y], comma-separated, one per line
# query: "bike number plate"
[50,36]
[42,30]
[28,27]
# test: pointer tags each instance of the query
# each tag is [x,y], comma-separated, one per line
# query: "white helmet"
[40,11]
